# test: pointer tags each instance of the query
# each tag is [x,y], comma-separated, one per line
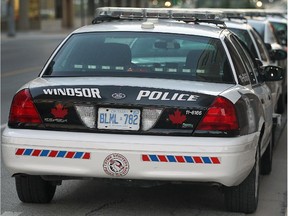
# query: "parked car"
[279,25]
[265,28]
[132,98]
[266,23]
[277,21]
[258,49]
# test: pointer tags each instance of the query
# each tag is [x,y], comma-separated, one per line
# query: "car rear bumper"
[227,161]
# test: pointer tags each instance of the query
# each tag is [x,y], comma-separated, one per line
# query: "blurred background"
[58,15]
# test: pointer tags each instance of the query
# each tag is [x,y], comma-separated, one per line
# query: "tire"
[274,127]
[281,105]
[33,189]
[244,197]
[266,160]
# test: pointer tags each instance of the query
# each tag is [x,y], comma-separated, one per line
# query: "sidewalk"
[35,34]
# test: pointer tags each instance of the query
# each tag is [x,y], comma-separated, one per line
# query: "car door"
[276,86]
[258,87]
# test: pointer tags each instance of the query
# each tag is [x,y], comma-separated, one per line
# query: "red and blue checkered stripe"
[181,159]
[52,153]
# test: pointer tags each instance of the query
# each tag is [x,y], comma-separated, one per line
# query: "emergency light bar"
[234,12]
[160,13]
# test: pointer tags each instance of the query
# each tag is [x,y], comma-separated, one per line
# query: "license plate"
[118,119]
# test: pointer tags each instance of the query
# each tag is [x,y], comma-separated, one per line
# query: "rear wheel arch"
[244,197]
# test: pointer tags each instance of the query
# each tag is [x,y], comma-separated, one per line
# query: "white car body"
[236,155]
[211,129]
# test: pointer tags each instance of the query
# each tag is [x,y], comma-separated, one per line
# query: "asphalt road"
[22,59]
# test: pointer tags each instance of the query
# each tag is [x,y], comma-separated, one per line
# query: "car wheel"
[244,197]
[281,104]
[34,189]
[266,160]
[274,127]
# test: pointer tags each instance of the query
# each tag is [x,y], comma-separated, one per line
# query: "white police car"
[258,49]
[144,99]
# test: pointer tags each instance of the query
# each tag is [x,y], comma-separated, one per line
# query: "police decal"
[74,92]
[59,112]
[116,165]
[165,96]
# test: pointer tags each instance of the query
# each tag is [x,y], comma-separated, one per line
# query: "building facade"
[49,15]
[56,15]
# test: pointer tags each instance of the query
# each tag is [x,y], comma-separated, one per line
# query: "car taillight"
[23,109]
[221,116]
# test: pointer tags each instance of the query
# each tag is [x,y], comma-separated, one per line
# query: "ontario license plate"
[118,119]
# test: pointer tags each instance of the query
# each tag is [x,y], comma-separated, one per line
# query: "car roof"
[238,25]
[277,19]
[156,25]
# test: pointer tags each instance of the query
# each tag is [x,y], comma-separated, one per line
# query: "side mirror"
[278,54]
[272,73]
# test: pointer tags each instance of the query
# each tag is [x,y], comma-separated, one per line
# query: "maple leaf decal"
[177,117]
[59,111]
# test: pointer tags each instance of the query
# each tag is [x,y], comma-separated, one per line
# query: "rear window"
[134,54]
[280,30]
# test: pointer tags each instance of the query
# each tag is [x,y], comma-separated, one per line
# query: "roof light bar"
[234,12]
[160,13]
[120,12]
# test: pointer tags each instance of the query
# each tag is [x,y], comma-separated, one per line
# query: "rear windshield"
[134,54]
[280,30]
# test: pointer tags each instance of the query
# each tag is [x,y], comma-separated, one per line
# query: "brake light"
[221,116]
[23,109]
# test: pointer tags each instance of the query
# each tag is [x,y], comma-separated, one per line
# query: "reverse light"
[221,116]
[87,114]
[23,109]
[150,117]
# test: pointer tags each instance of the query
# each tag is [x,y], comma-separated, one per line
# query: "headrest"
[114,54]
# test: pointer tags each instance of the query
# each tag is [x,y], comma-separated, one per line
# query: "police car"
[144,94]
[258,49]
[267,28]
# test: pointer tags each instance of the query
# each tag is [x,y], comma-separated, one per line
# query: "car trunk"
[115,105]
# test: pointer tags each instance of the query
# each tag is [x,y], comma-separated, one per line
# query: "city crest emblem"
[116,165]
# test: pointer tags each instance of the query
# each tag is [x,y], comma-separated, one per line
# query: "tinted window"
[280,30]
[261,46]
[246,57]
[136,54]
[265,29]
[240,68]
[246,38]
[248,62]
